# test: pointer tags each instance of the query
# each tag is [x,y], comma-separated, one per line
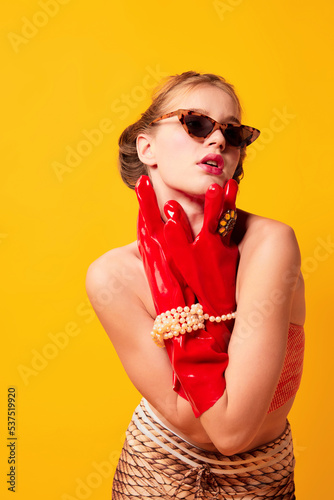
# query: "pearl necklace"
[182,320]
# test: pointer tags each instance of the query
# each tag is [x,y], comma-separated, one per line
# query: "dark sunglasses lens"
[239,136]
[199,126]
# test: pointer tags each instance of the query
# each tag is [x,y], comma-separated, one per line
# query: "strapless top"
[291,373]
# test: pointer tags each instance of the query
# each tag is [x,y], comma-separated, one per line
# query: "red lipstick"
[211,163]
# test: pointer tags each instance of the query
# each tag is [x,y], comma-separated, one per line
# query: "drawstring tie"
[203,478]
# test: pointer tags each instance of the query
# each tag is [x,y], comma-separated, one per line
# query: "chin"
[214,179]
[199,189]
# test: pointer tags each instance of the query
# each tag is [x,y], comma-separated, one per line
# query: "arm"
[256,351]
[258,342]
[125,318]
[208,264]
[198,358]
[273,249]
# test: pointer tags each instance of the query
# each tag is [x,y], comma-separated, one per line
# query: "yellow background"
[70,66]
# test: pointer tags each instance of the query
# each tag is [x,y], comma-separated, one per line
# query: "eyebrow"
[230,118]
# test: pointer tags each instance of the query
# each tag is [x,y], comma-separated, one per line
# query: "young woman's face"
[179,157]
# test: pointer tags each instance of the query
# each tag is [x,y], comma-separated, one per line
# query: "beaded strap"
[182,320]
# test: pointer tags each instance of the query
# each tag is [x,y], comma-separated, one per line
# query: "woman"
[213,419]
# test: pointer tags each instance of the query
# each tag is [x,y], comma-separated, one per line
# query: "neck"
[193,206]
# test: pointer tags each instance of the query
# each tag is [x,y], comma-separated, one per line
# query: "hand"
[209,263]
[196,358]
[168,287]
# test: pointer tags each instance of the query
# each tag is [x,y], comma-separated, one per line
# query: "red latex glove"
[200,366]
[208,264]
[167,289]
[167,286]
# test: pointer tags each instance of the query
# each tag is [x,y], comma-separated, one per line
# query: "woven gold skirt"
[156,463]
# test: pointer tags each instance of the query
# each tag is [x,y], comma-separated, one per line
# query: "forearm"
[255,364]
[221,425]
[229,430]
[175,411]
[258,342]
[183,418]
[199,360]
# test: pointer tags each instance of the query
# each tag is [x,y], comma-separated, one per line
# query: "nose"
[217,139]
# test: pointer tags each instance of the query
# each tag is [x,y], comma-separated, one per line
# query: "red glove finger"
[174,211]
[148,205]
[217,201]
[231,190]
[167,285]
[214,198]
[207,265]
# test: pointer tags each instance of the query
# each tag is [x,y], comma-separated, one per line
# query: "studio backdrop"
[74,75]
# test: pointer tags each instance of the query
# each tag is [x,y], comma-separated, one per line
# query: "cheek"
[235,156]
[180,141]
[177,146]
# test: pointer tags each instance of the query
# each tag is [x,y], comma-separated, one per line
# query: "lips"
[211,163]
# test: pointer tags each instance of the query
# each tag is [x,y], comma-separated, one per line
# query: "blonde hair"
[130,166]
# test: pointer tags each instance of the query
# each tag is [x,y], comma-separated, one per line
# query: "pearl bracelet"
[182,320]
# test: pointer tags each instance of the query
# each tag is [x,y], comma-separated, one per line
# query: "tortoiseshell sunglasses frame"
[181,113]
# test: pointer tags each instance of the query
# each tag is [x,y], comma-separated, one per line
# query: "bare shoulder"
[122,258]
[256,234]
[116,276]
[269,252]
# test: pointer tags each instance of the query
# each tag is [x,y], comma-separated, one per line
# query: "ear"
[145,149]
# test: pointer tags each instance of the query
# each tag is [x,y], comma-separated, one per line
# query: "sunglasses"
[201,126]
